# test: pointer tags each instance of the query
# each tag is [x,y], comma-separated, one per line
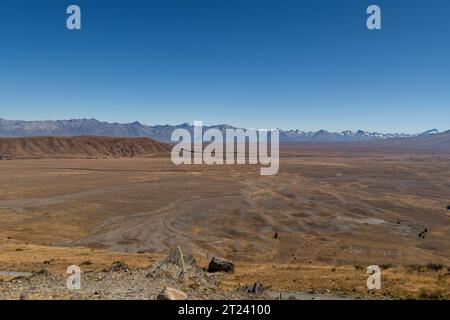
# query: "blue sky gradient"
[250,63]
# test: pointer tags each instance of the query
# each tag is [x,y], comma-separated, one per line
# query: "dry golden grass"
[413,282]
[21,257]
[396,281]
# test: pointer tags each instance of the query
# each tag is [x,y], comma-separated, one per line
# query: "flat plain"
[336,210]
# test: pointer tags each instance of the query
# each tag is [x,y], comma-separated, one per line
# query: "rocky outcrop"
[180,266]
[118,266]
[220,265]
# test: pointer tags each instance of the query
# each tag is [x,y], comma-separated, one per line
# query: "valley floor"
[335,212]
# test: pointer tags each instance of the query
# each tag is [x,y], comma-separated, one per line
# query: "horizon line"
[219,124]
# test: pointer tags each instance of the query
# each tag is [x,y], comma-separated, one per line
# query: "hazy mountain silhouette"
[76,127]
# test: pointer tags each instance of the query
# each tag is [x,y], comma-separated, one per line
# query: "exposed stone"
[255,288]
[176,265]
[172,267]
[423,233]
[118,266]
[220,265]
[42,272]
[172,294]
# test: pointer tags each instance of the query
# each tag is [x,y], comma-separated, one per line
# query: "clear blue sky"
[251,63]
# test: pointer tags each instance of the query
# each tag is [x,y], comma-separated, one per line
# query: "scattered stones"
[172,294]
[220,265]
[100,285]
[385,266]
[423,233]
[118,266]
[41,272]
[255,288]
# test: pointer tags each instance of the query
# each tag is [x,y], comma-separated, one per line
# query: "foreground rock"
[220,265]
[118,266]
[100,285]
[172,294]
[182,267]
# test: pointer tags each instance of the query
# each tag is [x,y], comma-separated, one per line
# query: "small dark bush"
[435,266]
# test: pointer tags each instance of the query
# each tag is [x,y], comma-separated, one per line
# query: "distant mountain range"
[77,127]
